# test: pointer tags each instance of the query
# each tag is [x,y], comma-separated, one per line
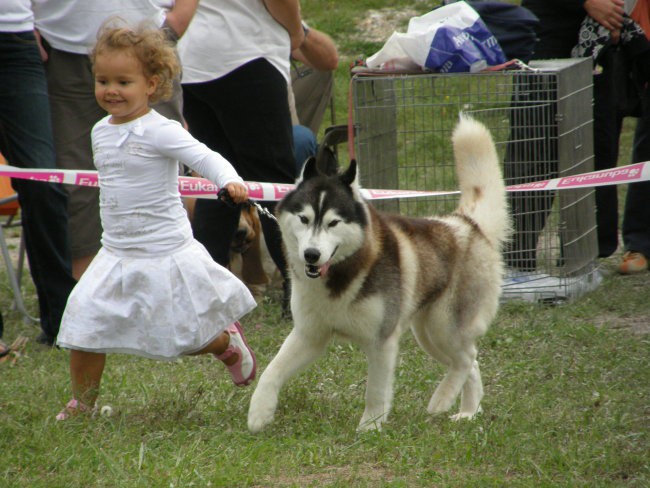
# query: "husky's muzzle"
[312,255]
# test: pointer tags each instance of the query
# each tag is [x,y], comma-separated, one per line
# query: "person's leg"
[213,222]
[607,130]
[75,110]
[312,93]
[250,109]
[636,216]
[531,155]
[232,349]
[25,117]
[304,145]
[86,369]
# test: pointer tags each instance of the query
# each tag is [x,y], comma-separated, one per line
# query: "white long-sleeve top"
[140,205]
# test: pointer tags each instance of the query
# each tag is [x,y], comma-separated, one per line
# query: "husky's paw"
[261,411]
[370,426]
[370,423]
[259,419]
[465,415]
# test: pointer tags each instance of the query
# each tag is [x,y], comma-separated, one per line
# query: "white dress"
[152,290]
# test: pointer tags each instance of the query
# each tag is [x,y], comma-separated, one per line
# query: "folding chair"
[10,210]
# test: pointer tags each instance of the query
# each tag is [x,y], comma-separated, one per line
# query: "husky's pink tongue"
[324,269]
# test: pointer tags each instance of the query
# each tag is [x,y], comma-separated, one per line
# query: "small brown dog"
[247,251]
[249,258]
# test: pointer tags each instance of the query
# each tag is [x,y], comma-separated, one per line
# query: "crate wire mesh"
[541,122]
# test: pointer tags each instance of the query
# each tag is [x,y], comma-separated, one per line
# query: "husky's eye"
[304,220]
[333,223]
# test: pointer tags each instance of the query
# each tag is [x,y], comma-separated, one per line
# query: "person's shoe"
[244,369]
[4,349]
[45,339]
[632,262]
[73,408]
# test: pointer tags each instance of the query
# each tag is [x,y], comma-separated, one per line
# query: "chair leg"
[14,276]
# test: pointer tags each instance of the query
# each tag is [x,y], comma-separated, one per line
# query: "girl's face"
[121,87]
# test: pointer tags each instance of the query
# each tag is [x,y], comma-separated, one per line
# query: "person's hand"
[608,13]
[41,49]
[237,192]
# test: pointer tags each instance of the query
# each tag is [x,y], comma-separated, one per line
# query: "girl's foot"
[73,408]
[244,368]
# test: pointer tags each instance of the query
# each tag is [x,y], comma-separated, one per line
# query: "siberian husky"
[366,277]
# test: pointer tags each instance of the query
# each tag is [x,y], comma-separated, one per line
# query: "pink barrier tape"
[631,173]
[201,188]
[189,186]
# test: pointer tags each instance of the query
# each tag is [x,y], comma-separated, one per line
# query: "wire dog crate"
[541,122]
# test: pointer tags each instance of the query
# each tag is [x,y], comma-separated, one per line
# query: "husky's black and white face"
[323,220]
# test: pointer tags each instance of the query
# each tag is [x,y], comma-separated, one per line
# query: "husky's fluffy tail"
[483,196]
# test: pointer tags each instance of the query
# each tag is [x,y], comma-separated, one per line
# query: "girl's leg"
[86,370]
[232,349]
[217,347]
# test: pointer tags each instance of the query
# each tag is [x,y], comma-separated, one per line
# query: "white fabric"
[16,16]
[159,307]
[226,34]
[72,25]
[152,290]
[139,202]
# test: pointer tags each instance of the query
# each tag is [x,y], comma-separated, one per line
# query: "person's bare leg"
[86,369]
[217,347]
[231,348]
[79,265]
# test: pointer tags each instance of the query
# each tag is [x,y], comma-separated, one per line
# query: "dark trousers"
[636,216]
[27,128]
[613,101]
[531,155]
[245,117]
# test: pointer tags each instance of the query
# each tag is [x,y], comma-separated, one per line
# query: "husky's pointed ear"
[309,170]
[349,176]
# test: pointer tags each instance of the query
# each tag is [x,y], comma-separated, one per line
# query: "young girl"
[152,290]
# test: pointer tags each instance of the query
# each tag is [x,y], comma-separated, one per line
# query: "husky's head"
[323,220]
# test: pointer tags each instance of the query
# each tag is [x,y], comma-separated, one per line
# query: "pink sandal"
[243,371]
[73,408]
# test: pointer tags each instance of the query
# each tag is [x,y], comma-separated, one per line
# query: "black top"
[559,24]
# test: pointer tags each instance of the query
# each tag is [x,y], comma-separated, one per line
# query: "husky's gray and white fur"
[366,277]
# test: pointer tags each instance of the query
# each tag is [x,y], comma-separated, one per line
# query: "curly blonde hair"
[150,47]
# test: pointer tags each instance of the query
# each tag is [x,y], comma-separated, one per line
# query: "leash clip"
[225,197]
[263,210]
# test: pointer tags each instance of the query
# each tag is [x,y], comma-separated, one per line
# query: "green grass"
[567,397]
[567,403]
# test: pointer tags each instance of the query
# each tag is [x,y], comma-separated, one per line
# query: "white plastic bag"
[448,39]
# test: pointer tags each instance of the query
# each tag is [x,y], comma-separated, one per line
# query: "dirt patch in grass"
[365,472]
[378,25]
[637,325]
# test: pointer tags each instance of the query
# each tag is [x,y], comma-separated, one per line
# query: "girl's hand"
[238,192]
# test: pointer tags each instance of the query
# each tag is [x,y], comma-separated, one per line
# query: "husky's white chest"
[347,316]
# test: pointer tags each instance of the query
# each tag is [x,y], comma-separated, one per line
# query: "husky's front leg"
[379,389]
[296,353]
